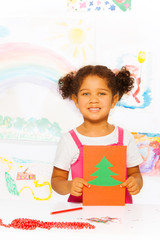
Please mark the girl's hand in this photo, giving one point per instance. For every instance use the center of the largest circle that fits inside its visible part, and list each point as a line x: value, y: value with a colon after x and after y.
x: 76, y: 186
x: 132, y: 185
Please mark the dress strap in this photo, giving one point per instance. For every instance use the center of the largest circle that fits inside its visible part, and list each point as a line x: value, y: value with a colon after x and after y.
x: 75, y: 138
x: 120, y: 136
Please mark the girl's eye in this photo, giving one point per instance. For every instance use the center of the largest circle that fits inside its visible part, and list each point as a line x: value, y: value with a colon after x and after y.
x: 102, y: 93
x: 85, y: 94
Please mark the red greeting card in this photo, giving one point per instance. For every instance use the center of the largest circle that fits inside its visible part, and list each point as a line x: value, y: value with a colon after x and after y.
x: 104, y: 168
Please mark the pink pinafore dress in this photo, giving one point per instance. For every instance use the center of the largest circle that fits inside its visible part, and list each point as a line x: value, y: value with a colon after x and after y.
x: 77, y: 167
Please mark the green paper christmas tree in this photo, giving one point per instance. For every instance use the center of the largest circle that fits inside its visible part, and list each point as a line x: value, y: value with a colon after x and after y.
x: 104, y: 174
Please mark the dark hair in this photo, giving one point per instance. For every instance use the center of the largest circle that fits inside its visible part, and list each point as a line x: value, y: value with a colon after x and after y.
x: 119, y: 83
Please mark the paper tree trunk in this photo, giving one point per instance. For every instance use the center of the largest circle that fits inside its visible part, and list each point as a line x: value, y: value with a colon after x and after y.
x: 104, y: 167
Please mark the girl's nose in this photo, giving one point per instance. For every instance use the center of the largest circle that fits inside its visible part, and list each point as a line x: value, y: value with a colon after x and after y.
x: 94, y: 99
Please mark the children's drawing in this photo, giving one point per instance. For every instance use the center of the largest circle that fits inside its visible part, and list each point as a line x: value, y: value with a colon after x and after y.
x: 104, y: 174
x: 31, y: 65
x: 5, y: 161
x: 124, y: 5
x: 141, y: 70
x: 29, y: 129
x: 149, y: 147
x: 37, y: 185
x: 25, y: 62
x: 37, y: 70
x: 11, y: 185
x: 98, y: 5
x: 25, y: 175
x: 74, y: 38
x: 91, y: 5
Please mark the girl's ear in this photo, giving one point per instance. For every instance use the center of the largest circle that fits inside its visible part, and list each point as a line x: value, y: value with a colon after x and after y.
x: 75, y: 100
x: 115, y: 100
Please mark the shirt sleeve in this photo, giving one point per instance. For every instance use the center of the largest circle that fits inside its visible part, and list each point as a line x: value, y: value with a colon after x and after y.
x: 62, y: 158
x: 134, y: 157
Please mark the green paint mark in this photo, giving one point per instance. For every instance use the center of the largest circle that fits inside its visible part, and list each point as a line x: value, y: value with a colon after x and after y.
x: 29, y: 129
x: 123, y: 4
x: 11, y: 185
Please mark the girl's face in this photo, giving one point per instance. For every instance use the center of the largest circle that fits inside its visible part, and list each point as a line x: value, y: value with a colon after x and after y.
x: 95, y: 99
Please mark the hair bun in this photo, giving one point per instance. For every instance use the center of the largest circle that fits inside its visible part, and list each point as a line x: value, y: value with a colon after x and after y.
x: 124, y: 81
x: 65, y: 85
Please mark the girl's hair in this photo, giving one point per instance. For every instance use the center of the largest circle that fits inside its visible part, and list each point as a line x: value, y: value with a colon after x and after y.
x: 119, y: 83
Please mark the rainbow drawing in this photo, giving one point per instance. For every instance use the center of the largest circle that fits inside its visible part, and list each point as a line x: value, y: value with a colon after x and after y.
x: 25, y: 62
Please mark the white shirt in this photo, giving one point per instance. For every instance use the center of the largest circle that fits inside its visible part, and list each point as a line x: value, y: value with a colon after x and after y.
x: 68, y: 152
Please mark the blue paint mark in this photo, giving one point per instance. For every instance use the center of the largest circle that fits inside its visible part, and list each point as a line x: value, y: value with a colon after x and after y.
x: 147, y: 100
x: 4, y: 32
x: 19, y: 160
x: 150, y: 134
x: 22, y: 161
x: 98, y: 8
x: 91, y: 3
x: 112, y: 8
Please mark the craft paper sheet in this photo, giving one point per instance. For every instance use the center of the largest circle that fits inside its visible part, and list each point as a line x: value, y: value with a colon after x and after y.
x: 104, y: 168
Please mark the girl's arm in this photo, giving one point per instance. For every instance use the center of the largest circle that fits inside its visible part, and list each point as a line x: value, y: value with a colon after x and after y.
x: 134, y: 181
x: 63, y: 186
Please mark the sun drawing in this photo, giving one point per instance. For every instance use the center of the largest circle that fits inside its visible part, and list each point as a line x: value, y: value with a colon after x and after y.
x: 75, y: 39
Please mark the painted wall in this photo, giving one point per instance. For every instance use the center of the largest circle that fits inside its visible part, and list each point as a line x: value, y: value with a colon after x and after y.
x: 41, y: 41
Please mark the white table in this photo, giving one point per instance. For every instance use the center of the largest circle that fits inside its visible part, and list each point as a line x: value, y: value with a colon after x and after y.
x: 136, y: 221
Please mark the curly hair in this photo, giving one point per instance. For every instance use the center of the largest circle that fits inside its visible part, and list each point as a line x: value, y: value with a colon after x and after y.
x: 120, y: 83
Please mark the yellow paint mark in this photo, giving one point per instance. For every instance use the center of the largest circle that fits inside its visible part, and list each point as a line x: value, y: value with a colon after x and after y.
x: 76, y: 36
x: 72, y: 1
x: 65, y: 46
x: 141, y: 57
x: 84, y: 54
x: 38, y: 186
x: 62, y: 24
x: 80, y: 22
x: 56, y: 37
x: 140, y: 138
x: 5, y: 161
x: 91, y: 46
x: 75, y: 52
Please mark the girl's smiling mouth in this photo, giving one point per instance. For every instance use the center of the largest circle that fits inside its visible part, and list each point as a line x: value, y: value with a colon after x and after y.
x: 94, y: 109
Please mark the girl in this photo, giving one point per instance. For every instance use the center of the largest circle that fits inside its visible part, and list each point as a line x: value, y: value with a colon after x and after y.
x: 95, y: 90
